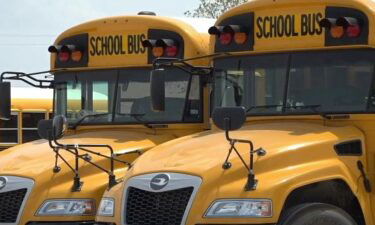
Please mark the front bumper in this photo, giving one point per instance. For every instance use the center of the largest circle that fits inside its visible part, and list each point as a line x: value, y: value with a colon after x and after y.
x: 63, y: 223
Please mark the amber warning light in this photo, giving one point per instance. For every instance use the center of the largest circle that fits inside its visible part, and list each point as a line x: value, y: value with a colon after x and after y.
x: 67, y: 52
x: 343, y: 26
x: 162, y: 47
x: 230, y: 33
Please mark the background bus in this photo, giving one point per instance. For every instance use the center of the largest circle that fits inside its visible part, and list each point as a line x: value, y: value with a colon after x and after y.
x: 29, y: 106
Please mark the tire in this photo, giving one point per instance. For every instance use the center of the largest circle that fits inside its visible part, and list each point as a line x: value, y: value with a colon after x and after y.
x: 316, y: 214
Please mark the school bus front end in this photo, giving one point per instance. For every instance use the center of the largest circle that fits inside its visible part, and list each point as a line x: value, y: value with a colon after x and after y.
x: 293, y: 143
x: 101, y: 79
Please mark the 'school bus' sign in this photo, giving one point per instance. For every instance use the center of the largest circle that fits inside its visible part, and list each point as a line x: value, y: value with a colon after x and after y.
x: 277, y: 29
x: 116, y: 49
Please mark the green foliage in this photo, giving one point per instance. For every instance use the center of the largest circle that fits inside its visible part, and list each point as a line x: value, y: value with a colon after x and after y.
x: 213, y: 8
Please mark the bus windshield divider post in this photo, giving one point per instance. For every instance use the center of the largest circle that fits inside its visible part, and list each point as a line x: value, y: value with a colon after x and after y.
x: 74, y: 149
x: 252, y: 182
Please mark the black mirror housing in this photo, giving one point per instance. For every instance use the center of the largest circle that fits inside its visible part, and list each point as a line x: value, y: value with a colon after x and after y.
x: 229, y: 118
x: 5, y: 102
x: 59, y: 126
x: 45, y: 129
x: 157, y: 86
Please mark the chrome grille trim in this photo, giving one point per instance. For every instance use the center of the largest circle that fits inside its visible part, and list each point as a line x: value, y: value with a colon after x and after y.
x: 176, y: 181
x: 16, y: 183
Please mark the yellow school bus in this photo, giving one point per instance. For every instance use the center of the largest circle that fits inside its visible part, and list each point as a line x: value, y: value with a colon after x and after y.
x: 294, y: 137
x: 101, y: 86
x: 28, y: 107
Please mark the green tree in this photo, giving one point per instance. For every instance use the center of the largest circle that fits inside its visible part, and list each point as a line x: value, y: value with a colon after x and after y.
x: 213, y: 8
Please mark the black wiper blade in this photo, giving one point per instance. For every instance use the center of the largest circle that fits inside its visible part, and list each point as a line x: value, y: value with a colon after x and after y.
x: 262, y: 107
x: 314, y: 108
x: 79, y: 122
x: 137, y: 116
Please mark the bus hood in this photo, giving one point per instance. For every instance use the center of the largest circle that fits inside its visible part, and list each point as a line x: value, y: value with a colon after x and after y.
x: 36, y: 159
x: 286, y: 144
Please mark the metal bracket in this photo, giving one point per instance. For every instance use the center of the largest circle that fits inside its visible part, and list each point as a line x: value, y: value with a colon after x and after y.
x: 29, y: 79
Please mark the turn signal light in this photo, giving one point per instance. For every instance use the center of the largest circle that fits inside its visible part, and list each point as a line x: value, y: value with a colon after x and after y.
x: 171, y: 51
x: 63, y: 56
x: 353, y: 31
x: 162, y: 47
x: 225, y: 38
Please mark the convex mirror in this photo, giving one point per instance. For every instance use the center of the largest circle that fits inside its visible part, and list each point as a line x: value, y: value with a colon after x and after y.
x: 5, y: 102
x: 229, y: 118
x: 52, y: 129
x: 157, y: 83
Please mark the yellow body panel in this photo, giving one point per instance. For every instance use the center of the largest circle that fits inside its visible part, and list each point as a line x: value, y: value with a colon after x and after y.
x: 300, y: 149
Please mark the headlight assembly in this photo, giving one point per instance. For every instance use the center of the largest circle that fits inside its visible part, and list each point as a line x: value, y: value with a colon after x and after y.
x: 67, y: 207
x: 107, y: 207
x: 252, y: 208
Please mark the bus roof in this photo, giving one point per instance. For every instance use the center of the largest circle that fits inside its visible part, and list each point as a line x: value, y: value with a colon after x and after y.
x: 115, y: 42
x: 293, y: 24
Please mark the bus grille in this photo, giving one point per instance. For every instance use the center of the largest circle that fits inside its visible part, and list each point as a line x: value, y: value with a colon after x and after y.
x: 156, y: 208
x: 10, y: 205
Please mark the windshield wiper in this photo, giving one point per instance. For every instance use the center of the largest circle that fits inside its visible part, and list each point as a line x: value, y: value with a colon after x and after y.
x: 137, y: 116
x: 79, y: 122
x: 262, y: 107
x: 312, y: 107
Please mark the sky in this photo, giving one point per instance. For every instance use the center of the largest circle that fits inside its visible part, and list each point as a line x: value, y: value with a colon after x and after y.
x: 28, y: 27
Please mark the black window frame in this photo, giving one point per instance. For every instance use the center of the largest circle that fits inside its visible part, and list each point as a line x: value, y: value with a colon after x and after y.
x: 285, y: 93
x: 118, y: 71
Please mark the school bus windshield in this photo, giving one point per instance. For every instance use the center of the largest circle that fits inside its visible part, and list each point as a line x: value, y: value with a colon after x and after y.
x: 119, y: 97
x: 297, y: 83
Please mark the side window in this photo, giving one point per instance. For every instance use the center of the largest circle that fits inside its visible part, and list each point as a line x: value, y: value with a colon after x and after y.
x: 30, y: 125
x: 9, y: 130
x: 100, y: 97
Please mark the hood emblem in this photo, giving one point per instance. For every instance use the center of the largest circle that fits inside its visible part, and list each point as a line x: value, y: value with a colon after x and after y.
x: 3, y: 182
x: 159, y: 182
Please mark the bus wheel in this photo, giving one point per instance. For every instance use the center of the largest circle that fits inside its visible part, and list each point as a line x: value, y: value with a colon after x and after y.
x: 316, y: 214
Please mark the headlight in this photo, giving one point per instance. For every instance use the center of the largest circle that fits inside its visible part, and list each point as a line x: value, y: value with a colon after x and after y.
x: 240, y: 208
x: 67, y: 207
x: 107, y: 207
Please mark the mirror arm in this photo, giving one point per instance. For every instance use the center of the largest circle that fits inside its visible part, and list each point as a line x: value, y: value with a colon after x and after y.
x: 252, y: 182
x: 20, y: 76
x: 171, y: 62
x: 112, y: 178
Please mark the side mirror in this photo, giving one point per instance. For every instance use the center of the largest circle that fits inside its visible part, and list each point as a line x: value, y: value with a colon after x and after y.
x: 229, y: 118
x: 45, y: 129
x: 157, y: 86
x: 59, y: 126
x: 5, y: 102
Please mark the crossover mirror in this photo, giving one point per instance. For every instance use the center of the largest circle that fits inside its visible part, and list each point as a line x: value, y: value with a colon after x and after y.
x: 5, y: 103
x: 45, y: 129
x: 59, y: 127
x: 229, y: 118
x: 158, y: 90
